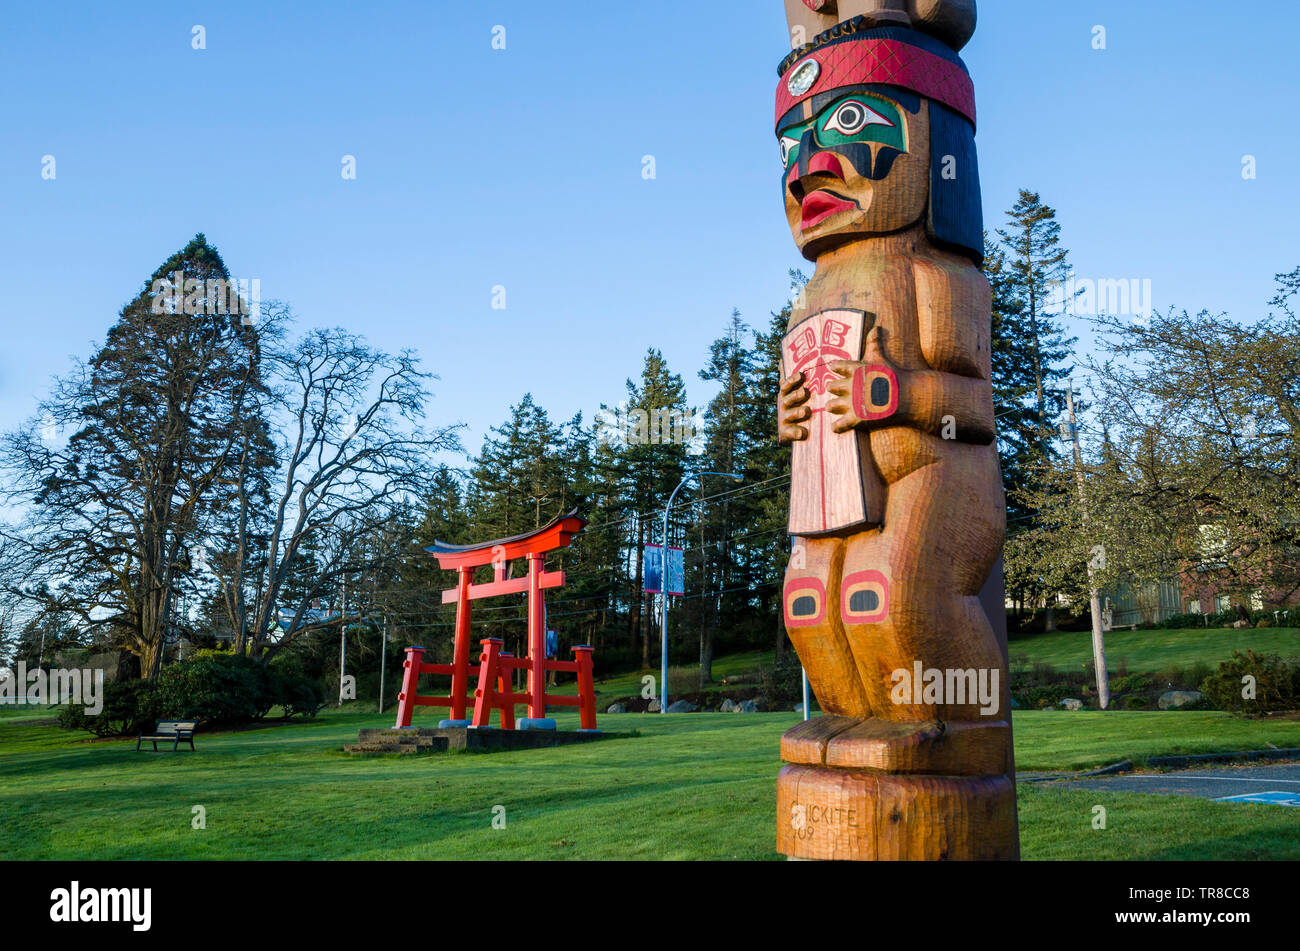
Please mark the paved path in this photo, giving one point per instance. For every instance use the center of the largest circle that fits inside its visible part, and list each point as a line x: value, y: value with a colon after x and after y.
x: 1277, y: 784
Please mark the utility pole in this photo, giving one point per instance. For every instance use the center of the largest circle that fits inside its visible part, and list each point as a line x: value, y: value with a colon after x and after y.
x: 343, y: 637
x: 1098, y: 638
x: 383, y: 660
x: 663, y: 579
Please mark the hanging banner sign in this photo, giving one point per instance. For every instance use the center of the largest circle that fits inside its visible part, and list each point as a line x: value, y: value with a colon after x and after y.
x: 652, y: 565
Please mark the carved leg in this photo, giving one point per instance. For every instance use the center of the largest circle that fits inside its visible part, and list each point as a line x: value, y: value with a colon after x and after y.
x: 810, y: 603
x: 926, y: 778
x: 943, y: 530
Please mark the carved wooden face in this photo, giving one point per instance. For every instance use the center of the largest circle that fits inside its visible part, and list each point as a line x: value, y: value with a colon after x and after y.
x: 860, y: 166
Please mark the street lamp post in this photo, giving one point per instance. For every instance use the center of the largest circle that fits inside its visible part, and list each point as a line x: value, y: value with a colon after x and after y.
x: 663, y: 585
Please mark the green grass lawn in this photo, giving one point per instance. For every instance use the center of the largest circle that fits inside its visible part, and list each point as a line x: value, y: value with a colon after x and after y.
x: 1087, y: 739
x: 697, y: 786
x: 630, y: 684
x: 1056, y: 824
x: 1155, y: 650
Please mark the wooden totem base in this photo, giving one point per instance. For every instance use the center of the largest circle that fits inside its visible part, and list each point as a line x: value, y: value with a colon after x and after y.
x: 867, y: 790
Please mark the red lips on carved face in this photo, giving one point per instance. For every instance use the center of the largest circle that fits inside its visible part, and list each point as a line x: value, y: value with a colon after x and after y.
x: 820, y: 205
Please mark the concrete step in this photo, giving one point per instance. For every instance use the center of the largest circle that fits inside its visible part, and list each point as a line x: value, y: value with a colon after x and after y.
x: 390, y: 735
x: 386, y: 741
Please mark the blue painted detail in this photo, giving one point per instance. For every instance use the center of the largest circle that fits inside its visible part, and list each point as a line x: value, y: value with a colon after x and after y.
x: 956, y: 215
x: 535, y: 723
x: 1269, y: 798
x: 589, y: 731
x: 805, y: 606
x: 449, y: 724
x: 880, y: 391
x: 864, y: 601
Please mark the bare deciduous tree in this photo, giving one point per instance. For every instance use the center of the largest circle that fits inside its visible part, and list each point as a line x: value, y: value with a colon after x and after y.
x: 352, y: 450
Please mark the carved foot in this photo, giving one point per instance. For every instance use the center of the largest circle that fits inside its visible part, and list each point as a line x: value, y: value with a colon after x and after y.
x: 893, y: 746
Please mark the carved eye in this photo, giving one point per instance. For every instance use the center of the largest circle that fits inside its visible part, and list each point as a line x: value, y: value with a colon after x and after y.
x: 788, y: 145
x: 852, y: 117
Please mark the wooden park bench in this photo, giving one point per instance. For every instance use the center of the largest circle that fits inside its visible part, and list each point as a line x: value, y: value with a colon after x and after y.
x: 178, y: 731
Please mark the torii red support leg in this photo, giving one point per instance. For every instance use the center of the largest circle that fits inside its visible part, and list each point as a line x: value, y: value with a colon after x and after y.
x: 488, y: 675
x: 460, y: 657
x: 586, y: 689
x: 536, y: 639
x: 410, y: 677
x: 505, y: 687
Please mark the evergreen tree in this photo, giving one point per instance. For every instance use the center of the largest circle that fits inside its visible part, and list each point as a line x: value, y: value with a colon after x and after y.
x: 517, y: 475
x: 727, y: 445
x: 1030, y: 350
x: 1028, y: 272
x: 1014, y: 384
x: 654, y: 456
x: 157, y: 417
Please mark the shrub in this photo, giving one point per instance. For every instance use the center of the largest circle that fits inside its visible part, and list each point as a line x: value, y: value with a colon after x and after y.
x: 1133, y: 683
x: 1277, y: 684
x: 216, y: 688
x: 1035, y: 698
x: 211, y: 687
x: 1183, y: 678
x: 783, y: 681
x: 1043, y: 672
x: 1196, y: 674
x: 298, y: 695
x: 130, y: 708
x: 681, y: 680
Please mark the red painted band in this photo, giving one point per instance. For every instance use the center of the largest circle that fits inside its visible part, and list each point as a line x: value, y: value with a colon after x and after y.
x: 804, y: 587
x: 889, y: 62
x: 863, y: 408
x: 871, y: 580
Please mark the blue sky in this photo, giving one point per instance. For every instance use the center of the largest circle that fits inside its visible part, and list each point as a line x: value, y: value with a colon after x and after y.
x: 523, y: 168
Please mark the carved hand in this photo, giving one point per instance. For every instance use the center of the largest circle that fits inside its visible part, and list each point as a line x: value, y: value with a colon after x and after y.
x: 868, y: 393
x: 792, y: 409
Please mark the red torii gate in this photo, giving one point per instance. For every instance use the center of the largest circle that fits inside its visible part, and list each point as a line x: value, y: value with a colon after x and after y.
x: 495, y: 666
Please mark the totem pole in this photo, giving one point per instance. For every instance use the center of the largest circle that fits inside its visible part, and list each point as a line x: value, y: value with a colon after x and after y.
x: 897, y: 515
